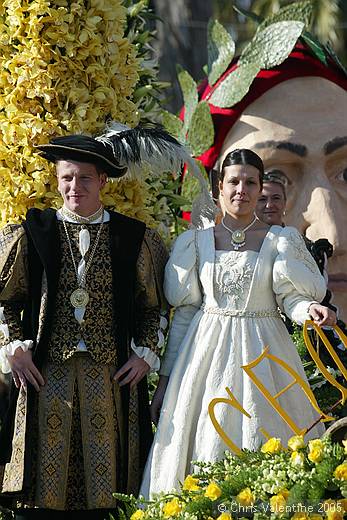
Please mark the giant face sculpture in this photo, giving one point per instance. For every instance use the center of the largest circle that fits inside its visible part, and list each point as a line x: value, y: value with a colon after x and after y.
x: 299, y: 126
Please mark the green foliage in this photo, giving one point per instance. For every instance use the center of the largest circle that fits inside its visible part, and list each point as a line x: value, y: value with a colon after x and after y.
x: 220, y: 49
x: 201, y: 131
x: 148, y: 91
x: 315, y: 46
x: 235, y: 86
x: 325, y: 394
x: 190, y: 95
x: 298, y: 11
x: 271, y: 46
x: 173, y: 125
x: 248, y: 14
x: 262, y: 474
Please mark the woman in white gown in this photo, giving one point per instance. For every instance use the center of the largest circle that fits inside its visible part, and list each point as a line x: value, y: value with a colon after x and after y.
x: 226, y: 288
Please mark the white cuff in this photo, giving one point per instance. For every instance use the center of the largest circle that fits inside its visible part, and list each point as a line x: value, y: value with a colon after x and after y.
x: 9, y: 350
x: 148, y: 355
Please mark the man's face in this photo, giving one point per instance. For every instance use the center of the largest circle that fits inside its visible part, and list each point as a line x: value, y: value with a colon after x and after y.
x: 271, y: 204
x: 80, y: 185
x: 300, y: 128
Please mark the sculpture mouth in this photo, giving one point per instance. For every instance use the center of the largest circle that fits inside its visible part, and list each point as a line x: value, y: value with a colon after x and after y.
x: 337, y: 282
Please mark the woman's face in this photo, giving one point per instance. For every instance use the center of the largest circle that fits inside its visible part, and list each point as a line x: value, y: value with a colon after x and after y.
x: 308, y: 143
x: 240, y: 190
x: 271, y: 204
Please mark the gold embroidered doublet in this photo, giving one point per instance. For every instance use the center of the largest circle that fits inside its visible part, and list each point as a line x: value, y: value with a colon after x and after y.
x: 97, y: 327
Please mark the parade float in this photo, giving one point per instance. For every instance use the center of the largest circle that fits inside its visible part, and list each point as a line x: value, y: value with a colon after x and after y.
x: 303, y: 479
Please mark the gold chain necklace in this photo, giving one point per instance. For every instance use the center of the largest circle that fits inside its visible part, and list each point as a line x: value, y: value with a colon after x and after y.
x: 78, y: 218
x: 238, y: 237
x: 80, y: 296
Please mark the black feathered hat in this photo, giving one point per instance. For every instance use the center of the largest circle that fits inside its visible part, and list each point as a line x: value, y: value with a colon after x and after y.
x: 121, y: 150
x: 82, y: 148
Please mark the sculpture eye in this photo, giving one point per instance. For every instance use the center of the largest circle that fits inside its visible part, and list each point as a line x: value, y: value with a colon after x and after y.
x: 343, y: 175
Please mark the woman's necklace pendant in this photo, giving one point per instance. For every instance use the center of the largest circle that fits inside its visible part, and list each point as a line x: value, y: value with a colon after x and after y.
x: 238, y: 236
x: 79, y: 298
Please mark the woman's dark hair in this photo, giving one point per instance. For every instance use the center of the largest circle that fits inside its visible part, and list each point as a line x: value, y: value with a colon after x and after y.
x: 247, y: 158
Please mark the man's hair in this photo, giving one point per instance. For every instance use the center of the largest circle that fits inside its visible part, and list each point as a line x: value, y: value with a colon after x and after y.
x: 245, y: 157
x: 98, y: 168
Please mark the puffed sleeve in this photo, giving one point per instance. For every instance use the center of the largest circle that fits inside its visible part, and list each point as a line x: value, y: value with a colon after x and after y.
x: 297, y: 281
x: 13, y: 291
x: 183, y: 292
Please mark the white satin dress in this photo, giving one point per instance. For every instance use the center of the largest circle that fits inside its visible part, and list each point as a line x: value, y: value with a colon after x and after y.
x: 226, y: 313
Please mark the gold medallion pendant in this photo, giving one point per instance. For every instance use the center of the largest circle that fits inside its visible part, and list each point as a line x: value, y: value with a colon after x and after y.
x: 238, y: 236
x: 79, y: 298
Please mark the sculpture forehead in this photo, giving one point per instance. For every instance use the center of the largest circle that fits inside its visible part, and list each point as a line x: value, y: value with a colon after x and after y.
x: 308, y: 110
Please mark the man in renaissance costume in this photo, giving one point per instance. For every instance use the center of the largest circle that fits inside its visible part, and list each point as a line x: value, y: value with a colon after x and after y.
x: 81, y: 304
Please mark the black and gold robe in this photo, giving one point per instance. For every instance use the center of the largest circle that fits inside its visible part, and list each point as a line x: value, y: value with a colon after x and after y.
x: 82, y: 437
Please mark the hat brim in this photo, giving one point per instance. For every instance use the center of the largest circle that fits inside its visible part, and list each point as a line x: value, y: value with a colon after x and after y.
x: 55, y: 152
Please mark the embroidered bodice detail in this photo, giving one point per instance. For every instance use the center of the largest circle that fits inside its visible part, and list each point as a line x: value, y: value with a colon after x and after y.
x: 299, y: 251
x: 232, y: 277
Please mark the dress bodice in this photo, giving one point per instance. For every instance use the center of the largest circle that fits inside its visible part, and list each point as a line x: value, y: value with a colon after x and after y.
x: 232, y: 278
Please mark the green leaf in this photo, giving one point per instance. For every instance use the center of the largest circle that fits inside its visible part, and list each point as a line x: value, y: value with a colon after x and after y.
x: 272, y: 46
x: 335, y: 58
x: 190, y: 95
x: 173, y: 125
x: 235, y: 86
x: 315, y: 46
x: 248, y: 14
x: 298, y: 11
x: 201, y: 130
x: 220, y: 49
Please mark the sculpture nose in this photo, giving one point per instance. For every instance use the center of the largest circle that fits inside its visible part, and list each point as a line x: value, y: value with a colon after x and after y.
x: 324, y: 218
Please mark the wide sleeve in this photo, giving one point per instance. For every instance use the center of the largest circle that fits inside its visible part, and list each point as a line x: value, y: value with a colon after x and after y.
x: 13, y: 291
x: 183, y: 291
x: 297, y: 281
x: 151, y: 306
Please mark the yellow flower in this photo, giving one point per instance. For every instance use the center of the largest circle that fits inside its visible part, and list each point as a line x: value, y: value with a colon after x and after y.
x: 284, y: 492
x: 316, y: 516
x: 297, y: 458
x: 224, y: 516
x: 296, y: 442
x: 343, y: 503
x: 341, y: 471
x: 344, y: 442
x: 172, y: 508
x: 138, y: 515
x: 315, y: 455
x: 246, y: 497
x: 333, y: 510
x: 191, y: 484
x: 316, y: 450
x: 273, y: 445
x: 213, y: 491
x: 278, y: 504
x: 316, y: 443
x: 300, y: 516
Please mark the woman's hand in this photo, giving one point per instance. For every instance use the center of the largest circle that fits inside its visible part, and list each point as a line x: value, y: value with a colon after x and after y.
x: 24, y: 370
x: 322, y: 315
x: 158, y: 398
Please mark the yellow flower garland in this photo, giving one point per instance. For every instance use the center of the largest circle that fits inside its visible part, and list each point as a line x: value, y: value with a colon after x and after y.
x: 65, y: 67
